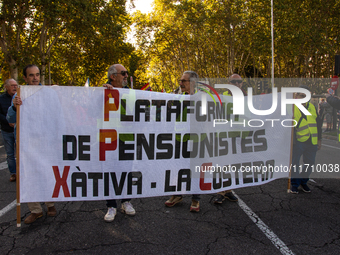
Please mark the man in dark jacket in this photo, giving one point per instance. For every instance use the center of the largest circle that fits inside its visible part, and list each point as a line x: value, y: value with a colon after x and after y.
x: 333, y: 101
x: 7, y: 130
x: 234, y: 79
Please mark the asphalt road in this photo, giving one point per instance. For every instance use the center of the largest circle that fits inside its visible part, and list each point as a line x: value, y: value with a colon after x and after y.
x: 266, y: 220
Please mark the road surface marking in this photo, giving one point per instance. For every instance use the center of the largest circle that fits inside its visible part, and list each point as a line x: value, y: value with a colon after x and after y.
x: 264, y: 228
x: 8, y: 208
x: 331, y: 146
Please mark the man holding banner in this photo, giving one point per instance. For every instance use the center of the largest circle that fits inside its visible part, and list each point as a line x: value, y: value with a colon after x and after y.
x: 117, y: 78
x: 31, y: 77
x: 187, y: 85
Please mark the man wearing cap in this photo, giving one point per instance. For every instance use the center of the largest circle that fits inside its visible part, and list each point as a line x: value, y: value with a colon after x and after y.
x: 307, y: 142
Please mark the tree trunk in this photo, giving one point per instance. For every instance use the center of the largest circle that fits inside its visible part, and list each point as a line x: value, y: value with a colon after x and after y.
x: 13, y: 69
x: 43, y: 69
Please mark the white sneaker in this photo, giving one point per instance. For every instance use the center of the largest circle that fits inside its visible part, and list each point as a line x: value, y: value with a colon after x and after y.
x: 128, y: 208
x: 110, y: 215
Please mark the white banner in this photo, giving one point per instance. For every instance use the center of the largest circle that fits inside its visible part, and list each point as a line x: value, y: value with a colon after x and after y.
x: 81, y: 143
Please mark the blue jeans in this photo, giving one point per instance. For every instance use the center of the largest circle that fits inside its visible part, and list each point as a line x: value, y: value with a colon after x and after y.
x: 308, y: 151
x: 9, y: 143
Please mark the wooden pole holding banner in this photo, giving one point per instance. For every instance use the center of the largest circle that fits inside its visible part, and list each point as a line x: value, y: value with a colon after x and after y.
x: 18, y: 162
x: 291, y: 155
x: 290, y: 160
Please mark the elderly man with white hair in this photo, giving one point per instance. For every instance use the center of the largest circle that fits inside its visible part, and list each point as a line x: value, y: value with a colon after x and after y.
x: 7, y: 129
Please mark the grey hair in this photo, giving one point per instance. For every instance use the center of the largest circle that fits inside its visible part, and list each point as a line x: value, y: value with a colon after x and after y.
x: 112, y: 70
x: 192, y: 74
x: 6, y: 83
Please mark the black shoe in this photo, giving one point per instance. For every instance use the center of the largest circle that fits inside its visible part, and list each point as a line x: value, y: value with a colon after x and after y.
x: 305, y: 188
x: 219, y: 199
x: 294, y: 190
x: 230, y: 196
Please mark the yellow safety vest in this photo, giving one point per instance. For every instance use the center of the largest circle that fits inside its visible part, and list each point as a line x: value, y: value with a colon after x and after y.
x: 226, y: 93
x: 306, y: 128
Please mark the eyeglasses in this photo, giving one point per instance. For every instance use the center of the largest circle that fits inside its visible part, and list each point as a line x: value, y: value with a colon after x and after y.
x: 123, y: 73
x: 179, y: 81
x: 235, y: 81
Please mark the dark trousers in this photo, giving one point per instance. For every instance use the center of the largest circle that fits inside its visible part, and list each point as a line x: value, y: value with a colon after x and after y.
x: 113, y: 202
x: 308, y: 151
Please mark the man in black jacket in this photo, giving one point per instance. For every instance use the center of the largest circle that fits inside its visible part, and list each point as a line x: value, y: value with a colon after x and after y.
x: 333, y: 101
x: 7, y: 130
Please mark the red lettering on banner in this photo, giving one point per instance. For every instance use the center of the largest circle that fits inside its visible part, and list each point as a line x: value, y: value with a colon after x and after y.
x: 103, y: 146
x: 204, y: 185
x: 110, y: 93
x: 61, y: 181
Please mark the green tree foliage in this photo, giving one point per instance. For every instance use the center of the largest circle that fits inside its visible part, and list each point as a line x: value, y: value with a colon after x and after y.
x: 69, y: 40
x: 219, y: 37
x: 75, y: 39
x: 13, y: 20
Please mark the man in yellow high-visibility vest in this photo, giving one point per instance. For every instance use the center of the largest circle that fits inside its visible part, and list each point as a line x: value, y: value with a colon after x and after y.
x: 307, y: 141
